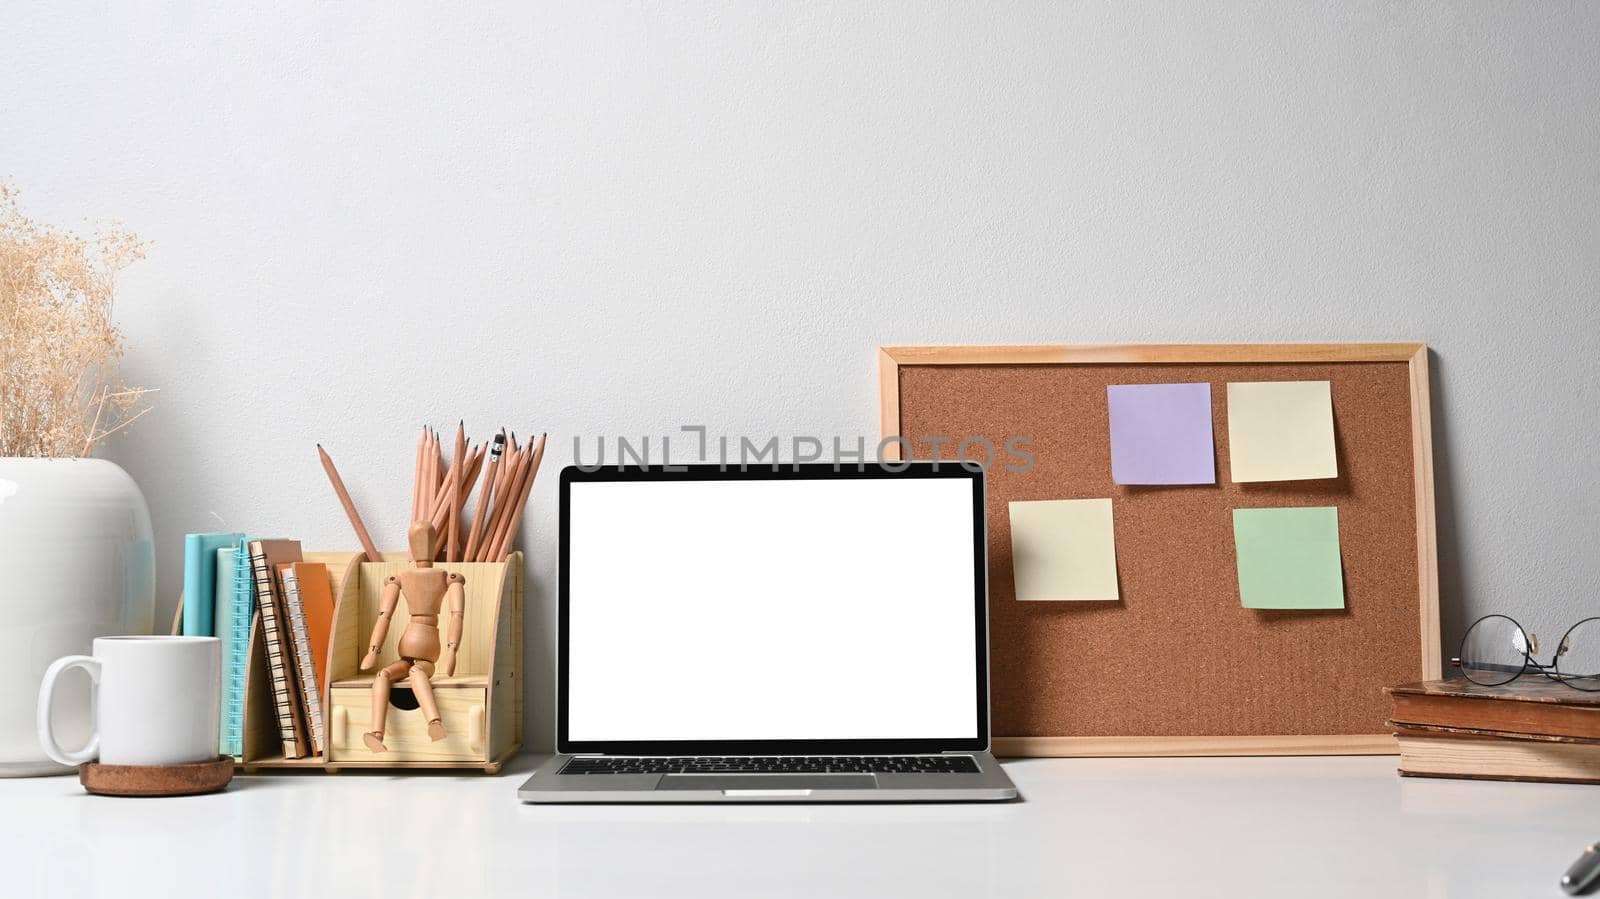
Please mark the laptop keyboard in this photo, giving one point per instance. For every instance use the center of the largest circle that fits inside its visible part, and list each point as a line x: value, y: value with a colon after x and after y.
x: 774, y: 764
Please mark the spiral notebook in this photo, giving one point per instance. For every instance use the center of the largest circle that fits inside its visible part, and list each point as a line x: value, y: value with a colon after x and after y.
x: 304, y: 676
x: 288, y: 711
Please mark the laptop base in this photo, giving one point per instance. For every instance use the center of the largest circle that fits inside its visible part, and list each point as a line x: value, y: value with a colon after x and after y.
x: 548, y: 786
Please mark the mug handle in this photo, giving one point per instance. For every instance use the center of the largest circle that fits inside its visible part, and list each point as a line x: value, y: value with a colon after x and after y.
x: 47, y: 688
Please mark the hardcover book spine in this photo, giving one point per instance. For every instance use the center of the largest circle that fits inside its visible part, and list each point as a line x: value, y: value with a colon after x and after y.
x: 278, y: 661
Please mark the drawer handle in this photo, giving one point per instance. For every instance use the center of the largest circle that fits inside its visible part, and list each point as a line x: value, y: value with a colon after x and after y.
x: 475, y: 728
x: 341, y: 726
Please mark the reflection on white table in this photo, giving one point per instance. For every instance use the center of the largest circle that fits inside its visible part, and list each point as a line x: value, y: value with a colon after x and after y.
x: 1091, y: 827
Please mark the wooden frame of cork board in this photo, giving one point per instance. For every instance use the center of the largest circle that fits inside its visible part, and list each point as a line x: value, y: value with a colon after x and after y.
x: 1177, y: 666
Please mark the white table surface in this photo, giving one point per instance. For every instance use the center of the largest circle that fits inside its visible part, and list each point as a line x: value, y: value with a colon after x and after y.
x: 1093, y: 827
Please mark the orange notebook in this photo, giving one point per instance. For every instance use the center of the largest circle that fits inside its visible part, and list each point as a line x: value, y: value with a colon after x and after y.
x: 301, y: 580
x: 316, y: 595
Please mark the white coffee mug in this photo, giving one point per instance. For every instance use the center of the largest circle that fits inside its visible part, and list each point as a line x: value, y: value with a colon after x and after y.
x: 156, y: 701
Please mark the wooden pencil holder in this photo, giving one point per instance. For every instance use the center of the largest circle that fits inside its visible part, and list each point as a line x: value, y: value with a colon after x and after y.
x: 481, y: 704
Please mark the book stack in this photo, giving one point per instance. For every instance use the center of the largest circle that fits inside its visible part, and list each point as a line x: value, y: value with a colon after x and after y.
x: 234, y: 583
x: 1530, y: 729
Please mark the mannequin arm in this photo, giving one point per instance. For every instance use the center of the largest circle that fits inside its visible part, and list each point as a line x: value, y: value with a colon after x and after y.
x: 380, y: 628
x: 456, y: 598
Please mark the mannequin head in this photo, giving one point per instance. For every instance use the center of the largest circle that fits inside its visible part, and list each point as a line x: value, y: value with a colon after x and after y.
x: 421, y: 539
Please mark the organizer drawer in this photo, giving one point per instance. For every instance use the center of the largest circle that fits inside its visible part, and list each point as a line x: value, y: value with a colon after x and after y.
x: 461, y: 708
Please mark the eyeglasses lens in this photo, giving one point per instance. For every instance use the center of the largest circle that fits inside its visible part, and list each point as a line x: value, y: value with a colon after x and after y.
x: 1494, y: 651
x: 1578, y: 656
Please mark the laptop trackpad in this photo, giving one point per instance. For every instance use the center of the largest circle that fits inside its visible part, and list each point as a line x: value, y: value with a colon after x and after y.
x: 764, y: 782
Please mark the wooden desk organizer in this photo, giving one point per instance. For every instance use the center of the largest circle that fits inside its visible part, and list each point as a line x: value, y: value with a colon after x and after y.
x: 481, y: 704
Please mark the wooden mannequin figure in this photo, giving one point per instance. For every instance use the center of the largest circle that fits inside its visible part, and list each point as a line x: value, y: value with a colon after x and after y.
x: 426, y: 589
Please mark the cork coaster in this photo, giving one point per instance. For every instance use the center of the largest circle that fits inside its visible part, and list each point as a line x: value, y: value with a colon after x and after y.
x: 156, y: 780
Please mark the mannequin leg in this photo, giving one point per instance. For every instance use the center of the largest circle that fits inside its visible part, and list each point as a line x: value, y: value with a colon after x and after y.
x: 423, y: 687
x: 380, y: 703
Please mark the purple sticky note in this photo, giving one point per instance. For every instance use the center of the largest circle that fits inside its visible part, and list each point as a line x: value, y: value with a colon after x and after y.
x: 1161, y: 434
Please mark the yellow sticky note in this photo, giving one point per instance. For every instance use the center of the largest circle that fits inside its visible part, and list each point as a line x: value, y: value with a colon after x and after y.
x: 1064, y: 549
x: 1281, y: 431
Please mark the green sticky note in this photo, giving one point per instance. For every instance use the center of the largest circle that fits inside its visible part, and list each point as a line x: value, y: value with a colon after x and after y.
x: 1289, y: 558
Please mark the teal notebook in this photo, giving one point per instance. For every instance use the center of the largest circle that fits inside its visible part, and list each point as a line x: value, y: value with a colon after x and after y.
x: 239, y: 595
x: 200, y: 579
x: 232, y: 629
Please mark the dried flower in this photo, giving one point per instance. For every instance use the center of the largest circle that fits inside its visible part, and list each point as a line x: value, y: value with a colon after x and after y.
x: 60, y: 388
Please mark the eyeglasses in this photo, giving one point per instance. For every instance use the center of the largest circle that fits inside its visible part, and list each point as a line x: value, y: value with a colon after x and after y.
x: 1496, y: 650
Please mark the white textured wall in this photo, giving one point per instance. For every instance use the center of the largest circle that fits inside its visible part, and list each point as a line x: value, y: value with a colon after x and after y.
x: 599, y: 217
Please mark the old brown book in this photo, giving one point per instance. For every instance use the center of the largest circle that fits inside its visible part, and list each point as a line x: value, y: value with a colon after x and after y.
x: 1485, y: 755
x: 1528, y: 705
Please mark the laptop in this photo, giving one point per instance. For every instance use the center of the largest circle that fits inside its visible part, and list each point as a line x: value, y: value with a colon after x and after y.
x: 783, y: 633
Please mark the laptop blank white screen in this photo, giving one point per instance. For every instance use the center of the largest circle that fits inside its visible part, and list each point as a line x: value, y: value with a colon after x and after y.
x: 836, y: 609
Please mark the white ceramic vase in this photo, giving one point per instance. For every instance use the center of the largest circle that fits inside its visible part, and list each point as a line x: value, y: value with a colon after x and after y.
x: 76, y: 562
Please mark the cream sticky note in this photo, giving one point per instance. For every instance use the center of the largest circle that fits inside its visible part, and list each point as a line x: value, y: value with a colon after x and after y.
x: 1281, y: 431
x: 1289, y: 558
x: 1064, y: 549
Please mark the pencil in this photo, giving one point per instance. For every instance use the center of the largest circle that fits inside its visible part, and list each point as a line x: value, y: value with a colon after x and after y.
x: 435, y: 484
x: 349, y: 507
x: 486, y: 496
x: 484, y: 512
x: 510, y: 470
x: 468, y: 482
x: 441, y: 509
x: 416, y: 477
x: 438, y: 463
x: 437, y: 508
x: 434, y: 497
x: 510, y: 485
x: 458, y: 467
x: 427, y: 466
x: 520, y: 503
x: 509, y: 503
x: 455, y: 507
x: 419, y: 500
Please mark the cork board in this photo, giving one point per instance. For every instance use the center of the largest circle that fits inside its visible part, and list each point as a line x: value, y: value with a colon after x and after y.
x: 1178, y: 666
